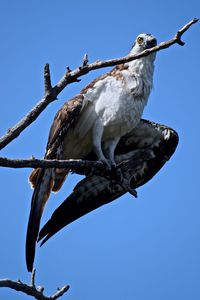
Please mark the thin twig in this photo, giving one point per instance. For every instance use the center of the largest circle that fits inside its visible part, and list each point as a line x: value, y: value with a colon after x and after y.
x: 31, y: 290
x: 33, y: 277
x: 60, y: 292
x: 47, y: 79
x: 72, y: 76
x: 85, y: 60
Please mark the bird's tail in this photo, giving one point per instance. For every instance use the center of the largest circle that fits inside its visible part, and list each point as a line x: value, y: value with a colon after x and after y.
x: 42, y: 181
x: 89, y: 194
x: 59, y: 178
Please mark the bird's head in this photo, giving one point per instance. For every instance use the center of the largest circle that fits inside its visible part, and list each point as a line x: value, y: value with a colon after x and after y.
x: 143, y: 41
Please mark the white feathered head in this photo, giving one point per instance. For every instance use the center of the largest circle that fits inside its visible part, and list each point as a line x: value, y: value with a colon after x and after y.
x: 143, y: 41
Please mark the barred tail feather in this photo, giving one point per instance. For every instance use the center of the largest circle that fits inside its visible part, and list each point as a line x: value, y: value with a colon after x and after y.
x: 43, y: 187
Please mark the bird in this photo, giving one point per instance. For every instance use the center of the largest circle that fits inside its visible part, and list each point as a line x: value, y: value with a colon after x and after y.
x: 94, y: 120
x: 140, y: 154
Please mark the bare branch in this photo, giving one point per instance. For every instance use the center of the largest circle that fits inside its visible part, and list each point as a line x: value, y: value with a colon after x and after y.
x: 184, y: 29
x: 60, y: 292
x: 72, y: 76
x: 32, y: 290
x: 82, y: 167
x: 15, y: 131
x: 45, y: 163
x: 47, y: 79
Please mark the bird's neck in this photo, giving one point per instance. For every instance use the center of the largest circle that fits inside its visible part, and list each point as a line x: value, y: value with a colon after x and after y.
x: 143, y: 66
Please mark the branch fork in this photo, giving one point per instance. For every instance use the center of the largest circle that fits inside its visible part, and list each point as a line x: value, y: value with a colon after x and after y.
x: 32, y: 290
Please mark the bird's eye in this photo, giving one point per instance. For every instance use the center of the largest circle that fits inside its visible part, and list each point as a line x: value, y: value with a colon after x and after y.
x: 140, y: 40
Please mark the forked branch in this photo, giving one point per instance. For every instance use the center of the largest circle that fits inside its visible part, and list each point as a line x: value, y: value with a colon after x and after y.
x: 32, y: 290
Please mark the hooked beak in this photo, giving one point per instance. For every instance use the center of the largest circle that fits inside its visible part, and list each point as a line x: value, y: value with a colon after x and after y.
x: 151, y: 43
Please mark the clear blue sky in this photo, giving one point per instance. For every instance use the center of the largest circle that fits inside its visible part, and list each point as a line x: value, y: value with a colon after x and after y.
x: 141, y: 249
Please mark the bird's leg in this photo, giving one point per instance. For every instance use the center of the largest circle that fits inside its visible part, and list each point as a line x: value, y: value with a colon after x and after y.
x: 97, y: 137
x: 109, y: 149
x: 117, y: 175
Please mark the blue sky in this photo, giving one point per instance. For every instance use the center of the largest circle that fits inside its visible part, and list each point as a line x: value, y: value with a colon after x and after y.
x: 130, y: 249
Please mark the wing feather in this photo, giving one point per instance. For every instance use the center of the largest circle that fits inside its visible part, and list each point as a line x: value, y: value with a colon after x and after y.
x: 65, y: 119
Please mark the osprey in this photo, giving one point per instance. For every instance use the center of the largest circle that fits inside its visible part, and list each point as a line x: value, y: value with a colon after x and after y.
x: 140, y: 155
x: 95, y: 120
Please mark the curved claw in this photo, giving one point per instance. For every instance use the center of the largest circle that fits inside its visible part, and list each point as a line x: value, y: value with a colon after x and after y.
x: 125, y: 184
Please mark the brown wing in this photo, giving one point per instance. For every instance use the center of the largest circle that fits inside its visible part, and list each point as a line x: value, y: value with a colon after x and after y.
x: 64, y: 119
x: 140, y: 154
x: 43, y: 180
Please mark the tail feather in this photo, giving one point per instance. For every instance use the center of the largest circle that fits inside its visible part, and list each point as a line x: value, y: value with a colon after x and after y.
x: 43, y: 187
x: 34, y: 177
x: 59, y: 178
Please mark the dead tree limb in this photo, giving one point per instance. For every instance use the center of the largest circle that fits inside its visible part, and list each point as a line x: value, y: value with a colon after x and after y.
x: 82, y: 167
x: 32, y: 290
x: 46, y: 163
x: 78, y: 166
x: 51, y: 93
